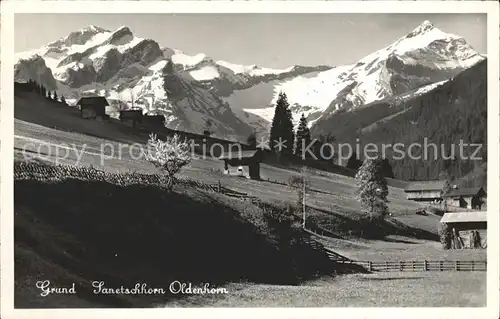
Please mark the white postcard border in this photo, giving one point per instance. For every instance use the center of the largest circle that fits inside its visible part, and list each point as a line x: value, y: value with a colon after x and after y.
x: 8, y: 8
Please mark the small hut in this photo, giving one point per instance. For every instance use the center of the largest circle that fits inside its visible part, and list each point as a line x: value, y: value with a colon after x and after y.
x: 92, y: 107
x: 251, y: 159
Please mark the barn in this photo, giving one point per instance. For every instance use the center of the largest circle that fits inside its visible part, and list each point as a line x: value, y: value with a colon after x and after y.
x: 472, y: 198
x: 251, y: 159
x: 92, y: 107
x: 468, y: 229
x: 426, y: 191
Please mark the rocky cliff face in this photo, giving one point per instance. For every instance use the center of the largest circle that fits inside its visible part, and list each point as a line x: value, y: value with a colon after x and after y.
x: 34, y: 68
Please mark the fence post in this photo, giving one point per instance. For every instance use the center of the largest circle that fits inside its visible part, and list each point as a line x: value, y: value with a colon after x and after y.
x: 440, y: 265
x: 369, y: 266
x: 473, y: 265
x: 425, y: 265
x: 456, y: 265
x: 400, y: 265
x: 386, y: 266
x: 219, y: 187
x: 413, y: 265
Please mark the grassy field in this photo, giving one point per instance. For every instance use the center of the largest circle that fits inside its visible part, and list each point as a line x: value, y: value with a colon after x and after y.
x: 332, y: 196
x: 395, y: 248
x: 47, y: 214
x: 405, y: 289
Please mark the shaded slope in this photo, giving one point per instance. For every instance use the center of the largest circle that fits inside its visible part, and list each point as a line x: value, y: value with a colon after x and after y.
x: 85, y: 230
x: 453, y: 111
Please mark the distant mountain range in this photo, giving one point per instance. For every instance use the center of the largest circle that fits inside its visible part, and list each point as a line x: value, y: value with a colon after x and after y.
x: 191, y: 89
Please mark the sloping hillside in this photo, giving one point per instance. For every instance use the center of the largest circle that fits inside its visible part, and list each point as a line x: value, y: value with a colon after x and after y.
x: 334, y: 191
x: 124, y: 234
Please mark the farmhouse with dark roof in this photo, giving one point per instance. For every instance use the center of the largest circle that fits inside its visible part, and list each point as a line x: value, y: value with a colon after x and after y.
x: 92, y: 107
x: 251, y: 159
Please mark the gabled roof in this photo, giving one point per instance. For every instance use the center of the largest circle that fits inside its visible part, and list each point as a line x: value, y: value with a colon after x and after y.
x: 464, y: 192
x: 464, y: 217
x: 132, y: 110
x: 94, y: 100
x: 239, y: 154
x: 437, y: 185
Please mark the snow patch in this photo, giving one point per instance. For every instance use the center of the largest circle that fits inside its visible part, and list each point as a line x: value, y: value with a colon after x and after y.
x: 180, y: 57
x: 252, y: 70
x: 158, y: 65
x: 205, y: 73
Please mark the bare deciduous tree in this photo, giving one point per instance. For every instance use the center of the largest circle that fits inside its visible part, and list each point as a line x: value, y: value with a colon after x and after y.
x: 169, y: 155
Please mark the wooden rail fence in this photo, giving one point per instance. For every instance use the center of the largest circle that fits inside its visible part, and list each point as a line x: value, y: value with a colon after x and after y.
x: 425, y: 265
x: 382, y: 266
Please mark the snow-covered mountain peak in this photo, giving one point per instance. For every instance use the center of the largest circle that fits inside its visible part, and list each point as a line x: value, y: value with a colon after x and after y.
x: 93, y: 28
x: 120, y: 36
x: 423, y: 27
x: 424, y: 56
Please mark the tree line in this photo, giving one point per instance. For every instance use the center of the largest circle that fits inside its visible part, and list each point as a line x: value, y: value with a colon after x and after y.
x: 41, y: 90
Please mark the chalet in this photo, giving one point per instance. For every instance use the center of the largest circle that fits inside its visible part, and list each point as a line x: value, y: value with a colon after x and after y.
x: 92, y: 107
x: 472, y: 198
x: 426, y: 191
x: 251, y: 159
x: 468, y: 229
x: 134, y: 115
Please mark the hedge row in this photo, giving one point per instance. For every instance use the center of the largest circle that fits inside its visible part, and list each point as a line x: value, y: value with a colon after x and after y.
x: 54, y: 173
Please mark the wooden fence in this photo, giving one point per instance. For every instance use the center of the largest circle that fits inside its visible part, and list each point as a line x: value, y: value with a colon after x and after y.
x: 382, y: 266
x: 425, y: 265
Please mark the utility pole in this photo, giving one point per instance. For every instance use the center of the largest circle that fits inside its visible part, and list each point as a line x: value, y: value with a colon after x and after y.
x: 303, y: 199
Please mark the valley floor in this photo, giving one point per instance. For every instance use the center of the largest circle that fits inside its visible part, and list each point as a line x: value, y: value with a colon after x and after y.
x: 399, y: 289
x: 396, y: 248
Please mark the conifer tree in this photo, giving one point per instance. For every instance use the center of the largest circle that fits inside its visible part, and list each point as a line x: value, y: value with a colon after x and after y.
x: 372, y: 188
x: 55, y: 96
x: 282, y: 135
x: 303, y: 138
x: 63, y: 99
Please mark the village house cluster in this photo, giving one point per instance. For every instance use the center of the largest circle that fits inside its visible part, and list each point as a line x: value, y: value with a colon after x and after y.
x: 463, y: 209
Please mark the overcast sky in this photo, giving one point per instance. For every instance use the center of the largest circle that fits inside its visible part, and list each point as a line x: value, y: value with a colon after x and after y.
x: 270, y: 40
